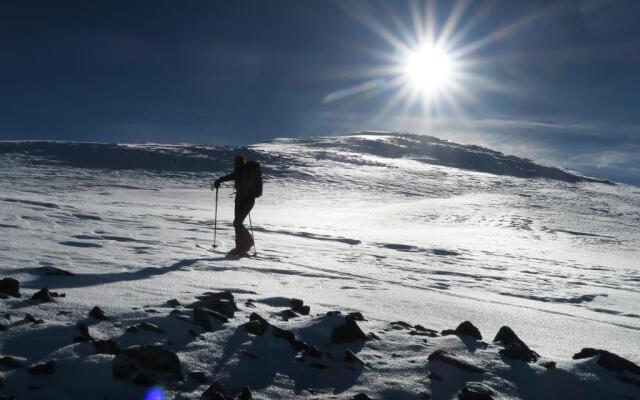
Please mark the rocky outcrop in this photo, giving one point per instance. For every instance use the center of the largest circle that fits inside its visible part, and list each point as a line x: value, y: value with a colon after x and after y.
x: 148, y: 360
x: 608, y: 360
x: 475, y: 391
x: 514, y: 347
x: 349, y: 331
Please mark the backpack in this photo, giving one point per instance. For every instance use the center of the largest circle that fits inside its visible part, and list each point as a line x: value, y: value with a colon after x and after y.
x: 253, y: 178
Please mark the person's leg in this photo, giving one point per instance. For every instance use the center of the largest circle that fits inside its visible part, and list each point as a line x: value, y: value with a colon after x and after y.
x: 243, y: 206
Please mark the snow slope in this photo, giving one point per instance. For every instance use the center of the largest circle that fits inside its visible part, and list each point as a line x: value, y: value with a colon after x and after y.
x: 395, y: 226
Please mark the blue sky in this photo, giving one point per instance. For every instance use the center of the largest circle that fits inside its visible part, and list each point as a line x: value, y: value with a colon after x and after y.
x: 555, y: 81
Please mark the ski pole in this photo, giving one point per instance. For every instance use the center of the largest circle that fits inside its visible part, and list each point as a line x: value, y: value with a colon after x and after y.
x: 215, y: 222
x: 255, y: 250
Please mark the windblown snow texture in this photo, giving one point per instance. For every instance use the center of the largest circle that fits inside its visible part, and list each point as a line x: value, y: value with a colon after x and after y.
x: 406, y: 235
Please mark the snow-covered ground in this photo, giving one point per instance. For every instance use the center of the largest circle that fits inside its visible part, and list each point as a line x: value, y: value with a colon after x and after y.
x: 398, y: 227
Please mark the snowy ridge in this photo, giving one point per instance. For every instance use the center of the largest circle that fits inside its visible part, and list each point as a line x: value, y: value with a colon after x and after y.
x: 348, y: 148
x: 406, y: 236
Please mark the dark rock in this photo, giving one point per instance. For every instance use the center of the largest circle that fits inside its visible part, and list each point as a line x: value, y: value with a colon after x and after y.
x: 143, y: 378
x: 123, y: 368
x: 443, y: 356
x: 475, y: 391
x: 245, y: 394
x: 201, y: 318
x: 172, y: 303
x: 288, y: 314
x: 222, y: 303
x: 298, y: 345
x: 468, y: 329
x: 400, y: 325
x: 256, y: 325
x: 215, y: 392
x: 549, y: 364
x: 361, y: 396
x: 629, y: 379
x: 153, y: 357
x: 608, y: 360
x: 132, y: 329
x: 356, y: 316
x: 84, y: 335
x: 350, y: 357
x: 47, y: 368
x: 108, y: 346
x: 10, y: 287
x: 448, y: 332
x: 97, y: 313
x: 49, y: 270
x: 348, y: 332
x: 146, y: 326
x: 519, y: 351
x: 313, y: 352
x: 2, y: 328
x: 514, y: 347
x: 43, y: 296
x: 12, y: 362
x: 282, y: 333
x: 296, y: 303
x: 304, y: 310
x: 199, y: 376
x: 429, y: 332
x: 151, y: 311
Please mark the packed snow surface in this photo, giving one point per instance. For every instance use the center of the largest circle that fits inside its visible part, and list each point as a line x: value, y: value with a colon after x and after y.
x: 395, y: 226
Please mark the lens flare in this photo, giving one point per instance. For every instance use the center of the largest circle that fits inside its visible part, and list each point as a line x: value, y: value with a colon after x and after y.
x: 155, y: 393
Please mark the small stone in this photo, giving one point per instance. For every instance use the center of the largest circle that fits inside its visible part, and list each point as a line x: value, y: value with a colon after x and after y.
x: 288, y: 314
x: 361, y: 396
x: 10, y: 287
x: 448, y: 332
x: 199, y: 376
x: 172, y: 303
x: 106, y: 347
x: 400, y: 325
x: 151, y: 311
x: 549, y: 364
x: 47, y: 368
x: 43, y: 296
x: 97, y: 313
x: 245, y: 394
x: 443, y: 356
x: 145, y: 326
x: 468, y: 329
x: 475, y: 391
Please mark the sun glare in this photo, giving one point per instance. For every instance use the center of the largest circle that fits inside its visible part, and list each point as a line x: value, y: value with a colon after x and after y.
x: 428, y: 69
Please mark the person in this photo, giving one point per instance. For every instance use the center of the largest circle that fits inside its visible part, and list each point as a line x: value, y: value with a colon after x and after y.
x: 244, y: 183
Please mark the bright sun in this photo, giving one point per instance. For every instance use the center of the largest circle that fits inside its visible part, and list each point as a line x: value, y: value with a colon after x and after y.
x: 428, y: 69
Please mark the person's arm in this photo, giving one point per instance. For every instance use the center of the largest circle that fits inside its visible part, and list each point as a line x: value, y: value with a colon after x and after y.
x: 225, y: 178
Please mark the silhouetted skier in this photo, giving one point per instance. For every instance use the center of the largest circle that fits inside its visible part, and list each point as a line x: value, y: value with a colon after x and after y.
x: 247, y: 177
